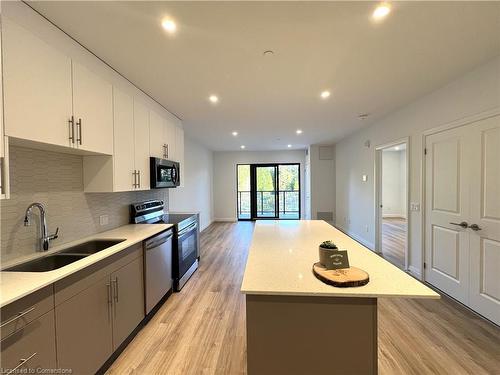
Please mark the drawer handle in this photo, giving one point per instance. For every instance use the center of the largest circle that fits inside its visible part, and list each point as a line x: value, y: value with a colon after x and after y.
x: 19, y: 315
x: 22, y: 362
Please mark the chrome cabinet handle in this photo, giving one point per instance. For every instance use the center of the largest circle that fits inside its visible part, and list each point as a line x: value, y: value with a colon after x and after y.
x: 79, y: 131
x: 115, y: 282
x: 22, y: 362
x: 19, y: 315
x: 475, y: 227
x: 139, y: 179
x: 134, y: 184
x: 167, y: 151
x: 463, y: 224
x: 71, y: 123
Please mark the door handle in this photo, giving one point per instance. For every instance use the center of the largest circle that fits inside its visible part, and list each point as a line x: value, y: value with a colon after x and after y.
x: 79, y: 131
x: 475, y: 227
x: 71, y: 123
x: 463, y: 224
x: 115, y: 281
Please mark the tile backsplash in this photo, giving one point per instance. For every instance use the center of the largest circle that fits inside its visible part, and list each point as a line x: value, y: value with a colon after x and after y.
x: 56, y: 180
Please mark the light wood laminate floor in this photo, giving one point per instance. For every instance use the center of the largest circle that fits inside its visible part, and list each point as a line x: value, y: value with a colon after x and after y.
x: 201, y: 330
x: 394, y: 240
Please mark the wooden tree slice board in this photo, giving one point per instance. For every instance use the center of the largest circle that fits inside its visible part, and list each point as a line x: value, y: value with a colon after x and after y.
x: 342, y: 278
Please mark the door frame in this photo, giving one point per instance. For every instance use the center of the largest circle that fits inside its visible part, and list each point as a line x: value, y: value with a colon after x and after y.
x: 438, y: 129
x: 378, y: 195
x: 298, y: 164
x: 253, y: 191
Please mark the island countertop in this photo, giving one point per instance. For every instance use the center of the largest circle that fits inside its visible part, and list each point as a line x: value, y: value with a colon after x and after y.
x: 282, y: 254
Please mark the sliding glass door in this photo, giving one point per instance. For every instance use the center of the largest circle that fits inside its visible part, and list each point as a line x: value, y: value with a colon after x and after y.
x: 268, y: 191
x: 265, y: 193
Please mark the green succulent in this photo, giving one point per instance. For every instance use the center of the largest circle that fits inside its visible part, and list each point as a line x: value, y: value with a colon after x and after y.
x: 328, y: 245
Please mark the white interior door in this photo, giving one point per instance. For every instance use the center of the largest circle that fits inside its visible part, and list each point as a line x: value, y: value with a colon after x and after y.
x: 463, y: 185
x: 485, y: 213
x: 447, y: 202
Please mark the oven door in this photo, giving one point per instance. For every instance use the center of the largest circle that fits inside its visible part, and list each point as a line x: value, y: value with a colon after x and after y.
x: 187, y: 249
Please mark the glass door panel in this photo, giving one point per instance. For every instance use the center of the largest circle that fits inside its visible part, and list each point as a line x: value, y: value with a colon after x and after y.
x: 289, y: 191
x: 243, y: 192
x: 265, y: 193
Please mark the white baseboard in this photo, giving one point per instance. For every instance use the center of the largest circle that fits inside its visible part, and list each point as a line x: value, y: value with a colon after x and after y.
x: 354, y: 236
x: 415, y: 272
x: 225, y: 219
x: 389, y: 216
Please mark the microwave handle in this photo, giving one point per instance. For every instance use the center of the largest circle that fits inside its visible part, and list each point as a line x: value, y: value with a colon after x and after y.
x: 176, y: 174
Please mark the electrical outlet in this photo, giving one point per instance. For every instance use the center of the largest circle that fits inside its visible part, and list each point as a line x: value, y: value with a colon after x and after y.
x: 103, y: 220
x: 364, y: 178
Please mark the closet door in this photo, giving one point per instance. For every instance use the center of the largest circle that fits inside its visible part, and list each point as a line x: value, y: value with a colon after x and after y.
x: 485, y: 213
x: 447, y: 206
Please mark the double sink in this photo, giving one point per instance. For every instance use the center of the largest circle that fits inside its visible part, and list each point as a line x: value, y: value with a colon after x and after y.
x: 64, y: 257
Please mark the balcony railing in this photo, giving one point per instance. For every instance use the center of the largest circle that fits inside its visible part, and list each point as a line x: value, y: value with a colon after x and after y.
x: 266, y: 204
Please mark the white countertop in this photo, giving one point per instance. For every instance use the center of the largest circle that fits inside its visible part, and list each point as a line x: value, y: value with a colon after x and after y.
x: 283, y: 252
x: 15, y: 285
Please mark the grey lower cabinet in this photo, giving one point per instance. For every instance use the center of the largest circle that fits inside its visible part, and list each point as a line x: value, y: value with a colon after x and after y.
x: 84, y: 329
x: 31, y: 347
x: 128, y: 303
x: 96, y: 310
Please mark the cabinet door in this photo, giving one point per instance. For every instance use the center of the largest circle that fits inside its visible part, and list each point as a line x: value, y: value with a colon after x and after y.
x: 84, y: 329
x: 156, y: 135
x: 37, y: 87
x: 169, y: 137
x: 141, y: 138
x: 123, y: 162
x: 128, y: 300
x: 93, y: 111
x: 32, y: 347
x: 179, y: 151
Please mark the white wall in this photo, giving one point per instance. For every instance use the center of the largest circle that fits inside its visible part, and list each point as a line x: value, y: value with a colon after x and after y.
x: 197, y: 193
x: 322, y: 185
x: 225, y: 176
x: 473, y: 93
x: 394, y: 183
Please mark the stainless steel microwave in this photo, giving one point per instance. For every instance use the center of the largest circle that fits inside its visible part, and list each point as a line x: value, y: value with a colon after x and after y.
x: 164, y: 173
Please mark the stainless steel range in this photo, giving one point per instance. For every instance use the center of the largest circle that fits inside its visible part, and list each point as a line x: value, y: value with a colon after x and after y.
x: 185, y: 244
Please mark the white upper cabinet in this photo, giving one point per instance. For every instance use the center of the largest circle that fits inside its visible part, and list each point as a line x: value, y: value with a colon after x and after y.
x: 123, y: 163
x: 156, y: 135
x: 141, y: 143
x: 179, y: 151
x: 93, y: 111
x: 37, y: 87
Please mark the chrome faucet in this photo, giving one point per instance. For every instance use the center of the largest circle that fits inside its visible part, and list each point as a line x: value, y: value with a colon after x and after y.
x: 45, y: 238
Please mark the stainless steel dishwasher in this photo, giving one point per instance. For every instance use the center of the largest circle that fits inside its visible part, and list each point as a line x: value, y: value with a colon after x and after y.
x: 157, y: 268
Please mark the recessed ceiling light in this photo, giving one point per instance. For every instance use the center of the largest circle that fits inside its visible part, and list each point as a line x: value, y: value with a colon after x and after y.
x: 234, y: 134
x: 268, y: 53
x: 242, y: 147
x: 381, y: 11
x: 325, y: 94
x: 289, y: 146
x: 298, y: 131
x: 169, y: 25
x: 213, y: 98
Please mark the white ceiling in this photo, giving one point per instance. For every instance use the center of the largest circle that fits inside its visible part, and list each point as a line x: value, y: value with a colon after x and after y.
x: 218, y: 49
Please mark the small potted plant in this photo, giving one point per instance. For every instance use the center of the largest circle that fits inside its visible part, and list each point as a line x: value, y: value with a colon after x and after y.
x: 325, y: 251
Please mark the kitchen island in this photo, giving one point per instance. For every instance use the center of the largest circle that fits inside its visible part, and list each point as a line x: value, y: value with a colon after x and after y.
x: 296, y: 324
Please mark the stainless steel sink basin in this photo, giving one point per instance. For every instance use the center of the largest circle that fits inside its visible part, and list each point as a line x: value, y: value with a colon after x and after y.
x: 90, y: 247
x: 64, y: 257
x: 48, y: 263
